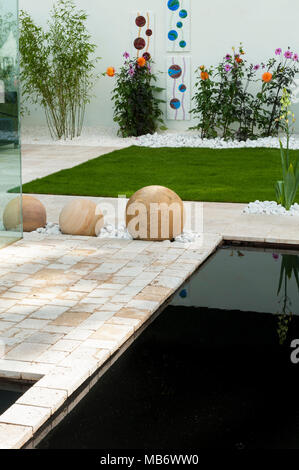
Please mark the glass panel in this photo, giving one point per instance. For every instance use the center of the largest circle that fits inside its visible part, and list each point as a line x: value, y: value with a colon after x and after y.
x: 10, y: 154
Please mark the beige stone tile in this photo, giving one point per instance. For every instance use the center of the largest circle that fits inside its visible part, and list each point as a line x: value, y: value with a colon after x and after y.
x: 25, y: 415
x: 66, y: 345
x: 143, y: 304
x: 53, y: 328
x: 12, y: 317
x: 13, y: 436
x: 27, y: 351
x: 133, y: 313
x: 154, y: 293
x: 71, y: 296
x: 44, y: 397
x: 63, y: 378
x: 33, y: 324
x: 5, y: 326
x: 71, y: 318
x: 95, y: 320
x: 117, y: 320
x: 44, y: 337
x: 79, y: 334
x: 22, y: 309
x: 94, y: 301
x: 52, y: 357
x: 12, y: 295
x: 170, y: 282
x: 111, y: 346
x: 115, y: 333
x: 84, y: 285
x: 49, y: 312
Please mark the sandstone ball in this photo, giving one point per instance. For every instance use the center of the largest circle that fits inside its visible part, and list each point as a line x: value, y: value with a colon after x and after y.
x: 81, y: 217
x: 155, y: 213
x: 34, y: 214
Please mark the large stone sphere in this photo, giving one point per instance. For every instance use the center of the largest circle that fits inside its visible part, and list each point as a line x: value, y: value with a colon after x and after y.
x: 34, y: 214
x: 81, y: 217
x: 155, y: 213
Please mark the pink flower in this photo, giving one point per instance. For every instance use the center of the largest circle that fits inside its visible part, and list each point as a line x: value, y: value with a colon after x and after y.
x: 227, y: 68
x: 126, y: 55
x: 131, y: 72
x: 278, y: 51
x: 256, y: 67
x: 295, y: 57
x: 288, y: 54
x: 275, y: 256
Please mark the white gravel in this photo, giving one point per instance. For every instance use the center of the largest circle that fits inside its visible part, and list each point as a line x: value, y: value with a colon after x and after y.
x: 107, y: 137
x: 91, y: 137
x: 110, y: 231
x: 194, y: 141
x: 270, y: 208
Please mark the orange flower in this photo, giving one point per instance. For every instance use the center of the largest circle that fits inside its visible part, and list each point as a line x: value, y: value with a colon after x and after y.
x: 204, y: 75
x: 141, y: 61
x: 202, y: 67
x: 267, y: 77
x: 238, y: 60
x: 110, y: 71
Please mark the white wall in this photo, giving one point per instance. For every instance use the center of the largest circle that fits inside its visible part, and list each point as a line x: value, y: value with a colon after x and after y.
x: 217, y: 25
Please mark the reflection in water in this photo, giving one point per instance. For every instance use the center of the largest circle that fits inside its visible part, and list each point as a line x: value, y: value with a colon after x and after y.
x: 247, y: 280
x: 289, y: 269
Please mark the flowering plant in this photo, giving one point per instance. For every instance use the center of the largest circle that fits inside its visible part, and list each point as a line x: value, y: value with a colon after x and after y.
x: 136, y: 107
x: 239, y: 100
x: 287, y: 188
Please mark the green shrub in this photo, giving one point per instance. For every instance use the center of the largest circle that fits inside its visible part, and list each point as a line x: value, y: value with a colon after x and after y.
x: 237, y: 100
x: 136, y: 106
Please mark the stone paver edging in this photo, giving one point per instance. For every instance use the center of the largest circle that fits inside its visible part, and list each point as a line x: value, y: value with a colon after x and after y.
x: 67, y: 304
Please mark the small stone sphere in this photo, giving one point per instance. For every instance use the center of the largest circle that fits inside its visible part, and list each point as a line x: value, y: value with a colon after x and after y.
x: 34, y: 214
x: 155, y: 213
x: 81, y: 217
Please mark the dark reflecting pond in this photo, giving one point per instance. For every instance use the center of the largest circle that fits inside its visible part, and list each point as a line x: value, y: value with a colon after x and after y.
x: 10, y: 392
x: 212, y: 371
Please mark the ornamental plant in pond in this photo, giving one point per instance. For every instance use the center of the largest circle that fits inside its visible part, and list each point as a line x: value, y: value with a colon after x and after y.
x: 239, y: 100
x: 287, y: 188
x: 136, y: 106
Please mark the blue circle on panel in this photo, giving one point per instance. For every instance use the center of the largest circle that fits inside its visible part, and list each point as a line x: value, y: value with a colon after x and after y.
x: 179, y: 24
x: 183, y: 44
x: 183, y: 13
x: 175, y: 103
x: 173, y: 4
x: 172, y: 35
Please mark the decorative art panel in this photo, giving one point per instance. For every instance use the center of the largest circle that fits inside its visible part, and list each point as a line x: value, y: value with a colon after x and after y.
x: 178, y: 87
x: 143, y: 34
x: 178, y: 25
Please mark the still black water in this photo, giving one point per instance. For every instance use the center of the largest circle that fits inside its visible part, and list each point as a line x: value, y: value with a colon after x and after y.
x: 216, y: 375
x: 10, y: 392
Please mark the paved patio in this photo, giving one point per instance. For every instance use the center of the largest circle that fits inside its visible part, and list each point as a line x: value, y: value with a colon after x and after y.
x: 67, y: 304
x: 42, y: 160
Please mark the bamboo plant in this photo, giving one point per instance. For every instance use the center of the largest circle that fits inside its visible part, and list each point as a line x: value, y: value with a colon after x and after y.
x: 57, y: 67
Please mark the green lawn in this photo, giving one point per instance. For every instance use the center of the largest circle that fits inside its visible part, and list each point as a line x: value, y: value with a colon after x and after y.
x: 230, y: 175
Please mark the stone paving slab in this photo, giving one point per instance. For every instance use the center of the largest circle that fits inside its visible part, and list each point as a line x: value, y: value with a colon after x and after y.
x: 41, y: 160
x: 69, y: 303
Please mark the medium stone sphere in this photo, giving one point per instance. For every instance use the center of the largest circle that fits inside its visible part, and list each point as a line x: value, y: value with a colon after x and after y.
x: 155, y: 213
x: 81, y: 217
x: 34, y: 214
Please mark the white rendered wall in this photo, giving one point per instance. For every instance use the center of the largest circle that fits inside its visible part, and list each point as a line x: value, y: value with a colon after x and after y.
x: 216, y: 26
